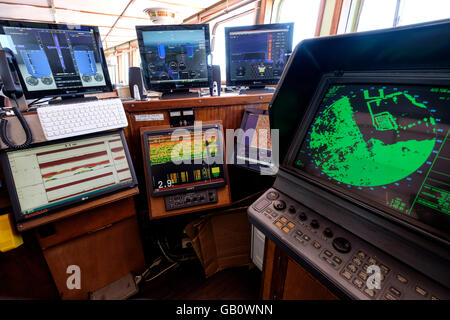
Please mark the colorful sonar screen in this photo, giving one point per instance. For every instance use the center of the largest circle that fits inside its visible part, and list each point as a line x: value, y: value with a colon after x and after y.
x: 185, y: 161
x: 53, y: 175
x: 50, y: 59
x: 387, y: 145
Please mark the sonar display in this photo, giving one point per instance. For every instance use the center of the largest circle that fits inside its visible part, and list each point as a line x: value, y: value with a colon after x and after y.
x: 387, y: 144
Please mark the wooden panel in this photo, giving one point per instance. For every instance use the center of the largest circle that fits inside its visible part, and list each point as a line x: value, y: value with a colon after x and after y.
x: 157, y: 207
x: 301, y: 285
x: 268, y: 266
x: 227, y: 108
x: 77, y: 209
x: 283, y: 278
x: 102, y: 256
x: 88, y: 221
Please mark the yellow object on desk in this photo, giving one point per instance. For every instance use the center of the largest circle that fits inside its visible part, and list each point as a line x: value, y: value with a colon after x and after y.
x: 9, y: 239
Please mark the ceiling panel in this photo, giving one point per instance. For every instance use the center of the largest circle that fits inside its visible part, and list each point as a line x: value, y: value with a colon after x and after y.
x: 32, y: 2
x: 131, y: 23
x: 102, y: 13
x: 84, y: 18
x: 104, y: 6
x: 23, y: 12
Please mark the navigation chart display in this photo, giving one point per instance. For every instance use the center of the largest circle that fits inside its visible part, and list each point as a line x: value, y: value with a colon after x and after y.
x: 386, y: 144
x: 185, y: 161
x: 52, y: 175
x: 50, y: 59
x: 175, y: 56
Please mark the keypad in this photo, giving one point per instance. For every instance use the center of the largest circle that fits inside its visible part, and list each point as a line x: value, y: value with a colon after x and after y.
x: 353, y: 269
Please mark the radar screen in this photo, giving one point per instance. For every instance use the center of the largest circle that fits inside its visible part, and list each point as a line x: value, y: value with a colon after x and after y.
x: 387, y: 145
x: 185, y: 159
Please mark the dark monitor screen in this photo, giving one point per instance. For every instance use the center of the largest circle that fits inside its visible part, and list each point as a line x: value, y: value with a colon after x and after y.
x: 256, y: 55
x: 56, y: 59
x: 181, y: 160
x: 174, y: 57
x: 44, y: 178
x: 384, y: 144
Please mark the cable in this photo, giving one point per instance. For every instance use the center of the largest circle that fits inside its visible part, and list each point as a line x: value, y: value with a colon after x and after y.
x: 162, y: 272
x: 23, y: 122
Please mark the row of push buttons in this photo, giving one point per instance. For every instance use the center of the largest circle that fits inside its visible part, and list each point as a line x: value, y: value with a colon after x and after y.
x: 284, y: 224
x: 331, y: 259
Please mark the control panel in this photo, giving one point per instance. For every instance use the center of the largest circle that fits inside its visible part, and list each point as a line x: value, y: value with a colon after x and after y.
x: 190, y: 199
x: 355, y: 266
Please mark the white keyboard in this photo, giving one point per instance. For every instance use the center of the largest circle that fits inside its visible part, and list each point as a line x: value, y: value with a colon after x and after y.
x: 68, y: 120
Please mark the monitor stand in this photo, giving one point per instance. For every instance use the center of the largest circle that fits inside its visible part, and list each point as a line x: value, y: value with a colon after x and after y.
x: 179, y: 94
x: 257, y: 90
x: 79, y: 98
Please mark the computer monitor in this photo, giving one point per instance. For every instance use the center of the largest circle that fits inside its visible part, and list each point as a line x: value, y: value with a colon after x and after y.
x: 56, y: 59
x: 383, y: 143
x: 175, y: 57
x: 256, y: 55
x: 52, y: 176
x: 253, y: 147
x: 184, y: 159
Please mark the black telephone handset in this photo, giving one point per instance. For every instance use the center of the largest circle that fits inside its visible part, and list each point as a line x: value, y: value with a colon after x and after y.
x: 8, y: 73
x: 13, y: 90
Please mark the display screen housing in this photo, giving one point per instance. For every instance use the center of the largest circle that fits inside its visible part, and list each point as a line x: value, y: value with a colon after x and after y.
x: 175, y: 57
x: 381, y: 141
x: 256, y: 55
x: 165, y: 150
x: 51, y: 176
x: 56, y: 59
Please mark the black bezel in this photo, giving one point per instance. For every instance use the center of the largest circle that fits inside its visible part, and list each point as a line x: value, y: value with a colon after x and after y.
x: 167, y: 87
x: 12, y: 190
x: 181, y: 189
x: 273, y: 81
x: 62, y: 92
x: 419, y: 78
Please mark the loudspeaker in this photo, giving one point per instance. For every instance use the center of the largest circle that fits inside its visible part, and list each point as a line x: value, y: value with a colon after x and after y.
x: 135, y: 79
x: 216, y: 81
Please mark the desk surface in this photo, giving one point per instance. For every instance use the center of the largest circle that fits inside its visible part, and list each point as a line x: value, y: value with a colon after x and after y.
x: 198, y: 102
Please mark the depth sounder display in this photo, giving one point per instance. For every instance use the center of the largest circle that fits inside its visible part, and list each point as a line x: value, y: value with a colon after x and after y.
x: 385, y: 144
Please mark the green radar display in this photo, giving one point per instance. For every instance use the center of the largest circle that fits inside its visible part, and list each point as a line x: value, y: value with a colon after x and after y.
x: 373, y: 137
x: 383, y: 144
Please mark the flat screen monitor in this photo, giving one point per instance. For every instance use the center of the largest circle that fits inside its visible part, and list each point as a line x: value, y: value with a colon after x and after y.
x: 254, y: 146
x: 174, y: 57
x: 256, y: 55
x: 56, y: 59
x: 52, y: 176
x: 382, y: 142
x: 184, y: 159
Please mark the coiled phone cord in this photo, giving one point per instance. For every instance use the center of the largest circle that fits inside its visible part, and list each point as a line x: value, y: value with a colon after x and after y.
x: 23, y: 122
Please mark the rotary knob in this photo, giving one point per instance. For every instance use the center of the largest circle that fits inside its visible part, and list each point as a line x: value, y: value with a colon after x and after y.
x: 342, y: 245
x: 315, y: 224
x: 292, y: 209
x: 279, y: 205
x: 272, y: 195
x: 328, y: 233
x: 302, y: 216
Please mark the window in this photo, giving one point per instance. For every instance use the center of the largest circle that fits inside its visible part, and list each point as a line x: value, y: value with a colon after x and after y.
x: 123, y: 62
x: 378, y: 14
x: 416, y: 11
x: 245, y: 16
x: 304, y: 14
